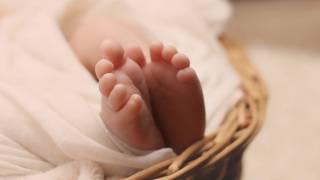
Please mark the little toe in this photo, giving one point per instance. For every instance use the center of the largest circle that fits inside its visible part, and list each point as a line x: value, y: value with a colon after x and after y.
x: 102, y: 67
x: 156, y: 51
x: 133, y: 106
x: 106, y: 83
x: 114, y: 52
x: 180, y: 61
x: 117, y: 97
x: 168, y: 52
x: 187, y: 75
x: 135, y: 53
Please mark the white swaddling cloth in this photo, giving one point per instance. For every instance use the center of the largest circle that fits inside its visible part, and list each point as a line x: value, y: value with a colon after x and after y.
x: 49, y: 120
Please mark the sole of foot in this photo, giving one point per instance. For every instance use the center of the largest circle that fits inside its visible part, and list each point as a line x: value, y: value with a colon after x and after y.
x: 176, y: 97
x: 125, y: 107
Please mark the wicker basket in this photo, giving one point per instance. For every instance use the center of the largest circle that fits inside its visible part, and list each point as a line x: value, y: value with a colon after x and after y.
x: 219, y: 155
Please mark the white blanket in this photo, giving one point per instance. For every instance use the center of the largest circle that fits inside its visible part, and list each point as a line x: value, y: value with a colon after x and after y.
x: 49, y: 122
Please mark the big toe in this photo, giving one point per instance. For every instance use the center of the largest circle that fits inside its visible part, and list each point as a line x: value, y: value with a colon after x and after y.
x: 114, y: 52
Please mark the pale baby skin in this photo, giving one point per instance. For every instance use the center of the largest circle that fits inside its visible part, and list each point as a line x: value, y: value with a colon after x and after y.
x: 151, y: 97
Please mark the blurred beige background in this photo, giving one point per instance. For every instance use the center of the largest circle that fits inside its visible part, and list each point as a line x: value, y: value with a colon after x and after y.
x: 283, y: 40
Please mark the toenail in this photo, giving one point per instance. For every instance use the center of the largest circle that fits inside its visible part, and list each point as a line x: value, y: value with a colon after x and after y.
x: 107, y: 63
x: 135, y: 97
x: 119, y: 86
x: 108, y: 76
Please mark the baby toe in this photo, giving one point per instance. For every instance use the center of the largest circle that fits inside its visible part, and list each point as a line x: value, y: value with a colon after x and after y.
x: 133, y: 106
x: 187, y: 75
x: 135, y: 53
x: 156, y: 51
x: 180, y: 61
x: 114, y: 52
x: 102, y: 67
x: 168, y: 52
x: 117, y: 97
x: 106, y: 83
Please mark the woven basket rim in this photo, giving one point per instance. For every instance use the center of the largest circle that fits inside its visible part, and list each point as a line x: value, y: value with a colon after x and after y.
x: 238, y: 129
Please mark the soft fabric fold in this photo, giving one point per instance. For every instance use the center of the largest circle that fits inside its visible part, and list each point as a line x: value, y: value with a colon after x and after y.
x: 49, y: 121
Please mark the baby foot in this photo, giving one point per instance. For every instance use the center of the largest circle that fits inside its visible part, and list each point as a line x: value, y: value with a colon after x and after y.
x: 125, y: 110
x: 130, y: 66
x: 176, y: 97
